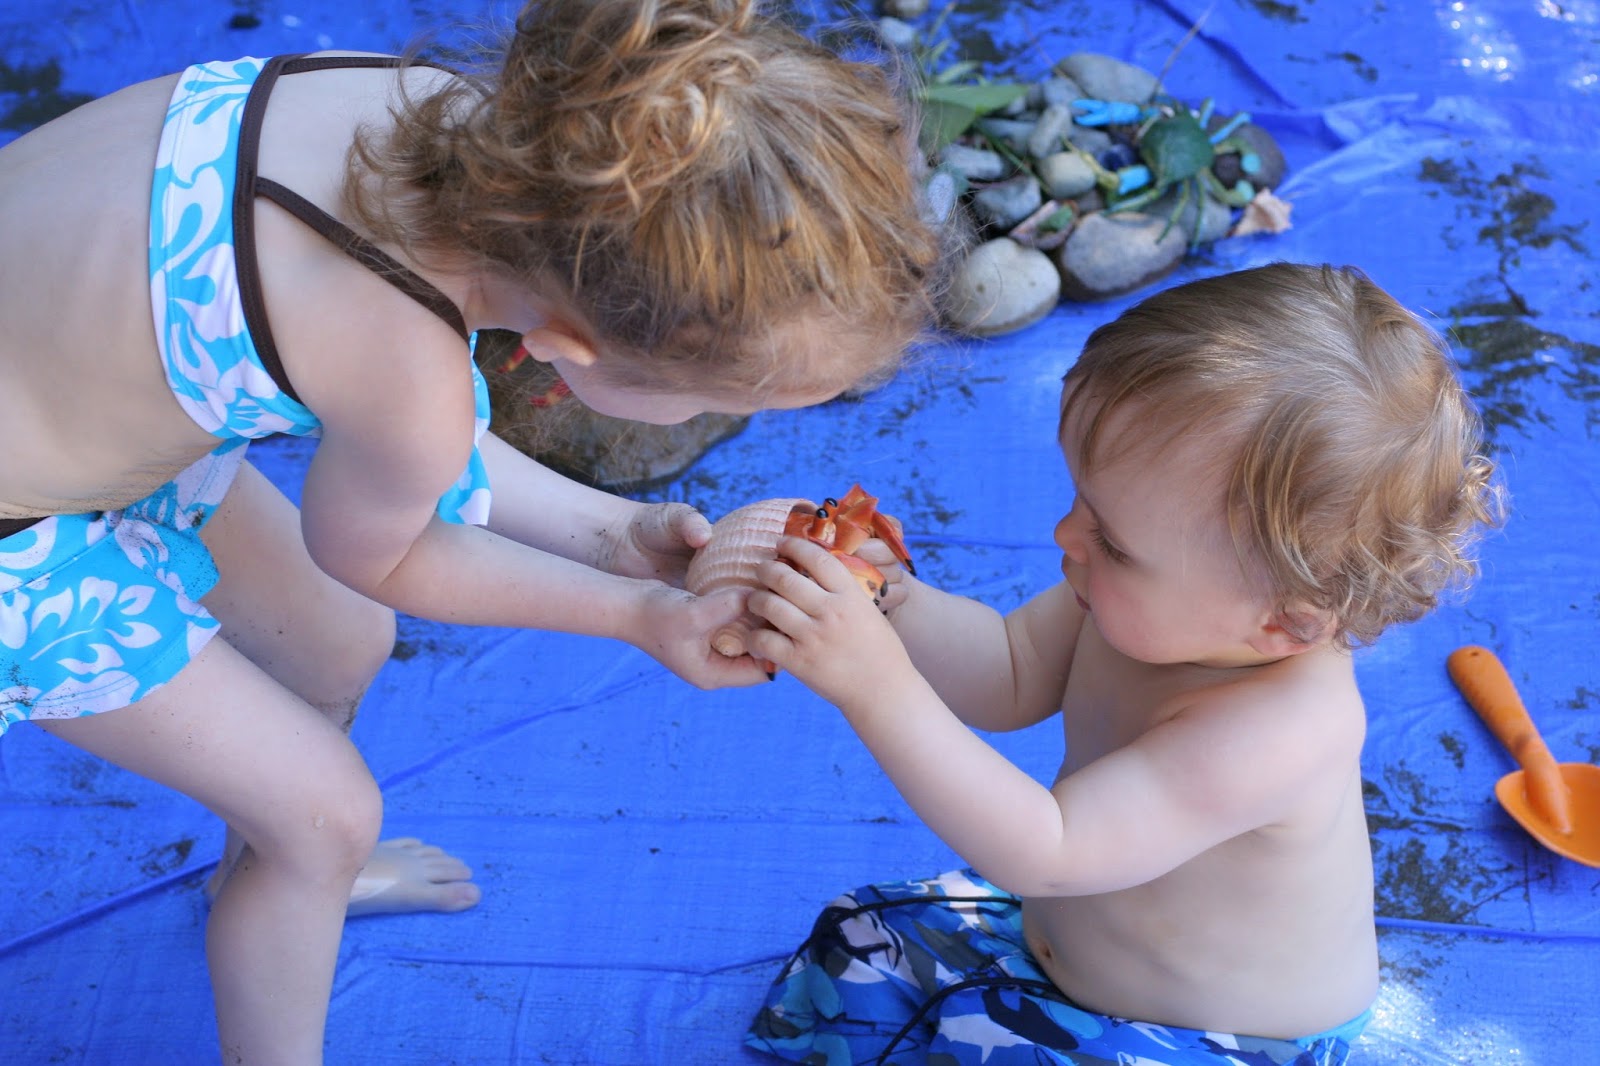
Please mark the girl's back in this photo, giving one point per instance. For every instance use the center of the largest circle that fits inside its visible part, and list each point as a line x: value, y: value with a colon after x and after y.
x: 89, y: 421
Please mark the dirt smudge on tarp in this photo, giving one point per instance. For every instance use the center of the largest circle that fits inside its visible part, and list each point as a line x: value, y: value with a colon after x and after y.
x: 1503, y: 349
x: 31, y: 95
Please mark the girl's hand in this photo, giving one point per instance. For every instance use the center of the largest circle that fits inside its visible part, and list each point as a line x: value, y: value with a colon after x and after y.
x: 657, y: 543
x: 826, y: 630
x: 676, y: 629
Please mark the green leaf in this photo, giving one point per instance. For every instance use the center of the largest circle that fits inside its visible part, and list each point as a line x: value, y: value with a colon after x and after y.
x: 982, y: 99
x: 948, y: 111
x: 1058, y: 219
x: 955, y: 72
x: 943, y: 122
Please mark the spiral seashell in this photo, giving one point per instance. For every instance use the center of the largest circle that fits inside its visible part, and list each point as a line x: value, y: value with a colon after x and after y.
x: 741, y: 540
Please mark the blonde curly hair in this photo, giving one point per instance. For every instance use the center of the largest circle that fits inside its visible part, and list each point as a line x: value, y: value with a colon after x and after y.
x: 702, y: 183
x: 1350, y: 452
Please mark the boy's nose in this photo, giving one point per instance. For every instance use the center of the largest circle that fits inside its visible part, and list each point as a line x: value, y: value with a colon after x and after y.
x: 1069, y: 538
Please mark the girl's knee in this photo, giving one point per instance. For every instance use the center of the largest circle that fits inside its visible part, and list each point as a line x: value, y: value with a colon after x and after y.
x: 353, y: 817
x: 332, y: 829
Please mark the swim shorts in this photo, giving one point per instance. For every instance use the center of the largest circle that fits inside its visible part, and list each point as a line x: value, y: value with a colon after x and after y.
x: 99, y: 610
x: 937, y: 973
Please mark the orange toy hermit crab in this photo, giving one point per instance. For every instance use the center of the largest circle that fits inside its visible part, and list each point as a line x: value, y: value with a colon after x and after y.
x: 743, y: 539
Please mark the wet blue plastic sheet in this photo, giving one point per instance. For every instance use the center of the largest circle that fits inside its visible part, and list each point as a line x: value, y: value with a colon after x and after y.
x: 650, y: 853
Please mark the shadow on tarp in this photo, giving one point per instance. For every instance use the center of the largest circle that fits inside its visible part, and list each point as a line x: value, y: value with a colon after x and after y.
x: 650, y: 854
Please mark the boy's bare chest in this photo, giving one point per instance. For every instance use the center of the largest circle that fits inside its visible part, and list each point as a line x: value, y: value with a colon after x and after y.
x: 1111, y: 700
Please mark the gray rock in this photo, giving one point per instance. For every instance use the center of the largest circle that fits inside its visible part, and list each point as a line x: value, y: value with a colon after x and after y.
x: 974, y: 164
x: 1019, y: 106
x: 1058, y: 89
x: 1050, y: 131
x: 1065, y: 175
x: 568, y: 437
x: 1090, y: 202
x: 1108, y: 255
x: 1005, y: 203
x: 1002, y: 287
x: 1102, y: 77
x: 901, y: 36
x: 1011, y: 132
x: 1089, y: 139
x: 1215, y: 219
x: 1047, y: 228
x: 1265, y: 146
x: 940, y: 191
x: 904, y: 9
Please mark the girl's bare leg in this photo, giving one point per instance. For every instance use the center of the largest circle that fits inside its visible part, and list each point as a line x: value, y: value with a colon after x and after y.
x: 232, y: 738
x: 325, y: 644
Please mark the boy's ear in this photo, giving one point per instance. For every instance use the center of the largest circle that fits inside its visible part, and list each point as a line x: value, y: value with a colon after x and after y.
x: 559, y: 340
x: 1292, y: 630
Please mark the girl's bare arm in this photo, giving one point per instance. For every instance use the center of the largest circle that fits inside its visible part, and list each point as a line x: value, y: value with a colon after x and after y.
x: 391, y: 446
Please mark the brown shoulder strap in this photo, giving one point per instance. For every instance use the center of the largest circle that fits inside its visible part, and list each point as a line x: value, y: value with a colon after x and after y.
x: 249, y: 184
x: 364, y: 252
x: 10, y: 526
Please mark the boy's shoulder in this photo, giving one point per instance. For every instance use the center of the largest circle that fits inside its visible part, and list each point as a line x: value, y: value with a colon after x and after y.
x: 1309, y: 699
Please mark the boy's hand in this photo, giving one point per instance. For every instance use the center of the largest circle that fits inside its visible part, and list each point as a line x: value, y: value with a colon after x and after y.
x: 895, y: 587
x: 827, y: 631
x: 657, y: 543
x: 676, y: 628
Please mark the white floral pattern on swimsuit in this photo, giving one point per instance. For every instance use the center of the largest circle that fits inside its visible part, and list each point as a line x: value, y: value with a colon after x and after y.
x: 99, y: 610
x: 211, y: 361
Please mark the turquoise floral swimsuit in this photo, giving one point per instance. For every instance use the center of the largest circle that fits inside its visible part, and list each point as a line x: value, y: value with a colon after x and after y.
x: 98, y: 610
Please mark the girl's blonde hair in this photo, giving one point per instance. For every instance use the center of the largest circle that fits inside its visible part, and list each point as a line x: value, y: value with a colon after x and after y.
x: 697, y: 178
x: 1350, y: 452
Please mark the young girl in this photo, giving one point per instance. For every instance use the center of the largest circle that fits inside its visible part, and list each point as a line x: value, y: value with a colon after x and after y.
x: 681, y: 206
x: 1271, y: 467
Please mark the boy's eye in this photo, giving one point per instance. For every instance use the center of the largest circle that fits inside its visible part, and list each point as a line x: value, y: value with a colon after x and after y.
x: 1110, y: 550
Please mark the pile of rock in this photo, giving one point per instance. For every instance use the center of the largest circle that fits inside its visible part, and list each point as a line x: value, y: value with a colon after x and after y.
x: 1039, y: 186
x: 533, y: 412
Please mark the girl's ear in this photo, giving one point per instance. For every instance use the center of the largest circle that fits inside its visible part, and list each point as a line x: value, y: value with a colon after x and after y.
x: 558, y: 340
x: 1291, y: 631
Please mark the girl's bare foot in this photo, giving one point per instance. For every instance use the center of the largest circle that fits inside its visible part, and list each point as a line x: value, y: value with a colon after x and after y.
x: 403, y: 876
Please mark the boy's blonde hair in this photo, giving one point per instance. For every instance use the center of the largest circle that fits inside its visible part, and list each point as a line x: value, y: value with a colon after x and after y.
x: 1355, y: 481
x: 698, y: 178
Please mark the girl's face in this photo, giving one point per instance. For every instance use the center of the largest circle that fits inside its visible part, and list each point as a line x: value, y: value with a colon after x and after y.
x: 1148, y: 552
x: 591, y: 373
x: 663, y: 407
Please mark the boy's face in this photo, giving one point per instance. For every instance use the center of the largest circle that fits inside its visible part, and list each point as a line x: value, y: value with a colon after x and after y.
x: 1148, y: 551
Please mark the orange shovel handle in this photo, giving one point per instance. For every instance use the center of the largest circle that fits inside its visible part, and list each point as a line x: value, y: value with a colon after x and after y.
x: 1483, y: 680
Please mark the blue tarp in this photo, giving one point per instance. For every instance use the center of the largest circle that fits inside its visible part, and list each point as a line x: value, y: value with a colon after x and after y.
x: 650, y: 854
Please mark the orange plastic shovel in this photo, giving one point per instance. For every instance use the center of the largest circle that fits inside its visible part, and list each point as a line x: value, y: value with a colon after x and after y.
x: 1557, y: 803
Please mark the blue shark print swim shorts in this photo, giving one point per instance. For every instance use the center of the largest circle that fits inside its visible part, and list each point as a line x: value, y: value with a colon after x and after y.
x: 937, y: 973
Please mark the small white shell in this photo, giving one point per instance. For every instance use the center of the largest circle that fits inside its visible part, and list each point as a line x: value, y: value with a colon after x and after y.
x: 1263, y: 214
x: 741, y: 540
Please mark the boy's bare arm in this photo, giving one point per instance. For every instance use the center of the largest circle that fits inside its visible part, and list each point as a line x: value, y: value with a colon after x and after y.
x: 1229, y: 761
x: 1204, y: 776
x: 997, y: 673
